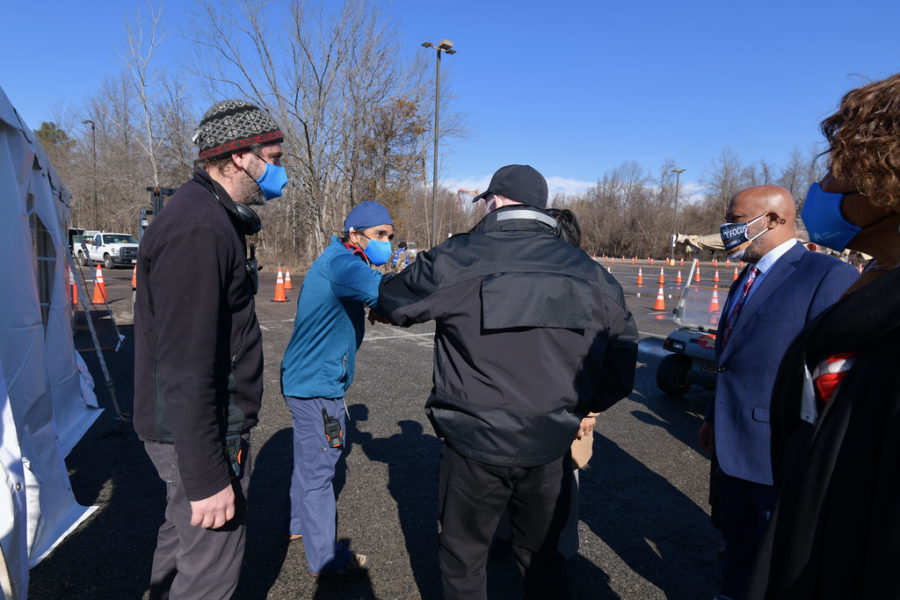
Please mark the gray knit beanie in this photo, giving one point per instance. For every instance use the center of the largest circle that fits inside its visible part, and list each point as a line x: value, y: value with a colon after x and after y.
x: 233, y: 125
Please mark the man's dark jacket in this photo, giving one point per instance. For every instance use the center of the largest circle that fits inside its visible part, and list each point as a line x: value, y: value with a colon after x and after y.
x: 198, y: 346
x: 531, y: 334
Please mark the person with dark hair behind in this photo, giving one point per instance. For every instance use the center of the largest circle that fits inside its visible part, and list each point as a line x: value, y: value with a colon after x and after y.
x: 834, y: 412
x: 569, y: 229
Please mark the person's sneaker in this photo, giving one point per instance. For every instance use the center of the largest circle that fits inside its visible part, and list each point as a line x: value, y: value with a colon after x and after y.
x: 355, y: 568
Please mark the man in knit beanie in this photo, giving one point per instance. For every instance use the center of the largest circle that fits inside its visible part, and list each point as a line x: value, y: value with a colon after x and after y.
x: 198, y: 350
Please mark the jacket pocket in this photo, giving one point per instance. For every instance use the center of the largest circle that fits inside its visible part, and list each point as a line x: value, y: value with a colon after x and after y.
x: 761, y: 414
x: 513, y: 300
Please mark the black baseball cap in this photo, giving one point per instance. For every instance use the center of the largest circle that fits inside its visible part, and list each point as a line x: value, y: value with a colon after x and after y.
x: 521, y: 183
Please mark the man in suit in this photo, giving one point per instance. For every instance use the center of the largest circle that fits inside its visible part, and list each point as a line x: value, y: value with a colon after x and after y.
x: 783, y: 288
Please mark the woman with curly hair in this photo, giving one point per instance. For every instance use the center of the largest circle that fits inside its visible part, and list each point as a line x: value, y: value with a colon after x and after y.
x: 835, y: 412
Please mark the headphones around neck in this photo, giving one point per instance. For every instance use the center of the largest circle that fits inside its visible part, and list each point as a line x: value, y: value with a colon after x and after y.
x: 244, y: 218
x: 247, y: 221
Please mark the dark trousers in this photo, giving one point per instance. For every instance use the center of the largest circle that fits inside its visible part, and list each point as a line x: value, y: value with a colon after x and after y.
x: 473, y: 495
x: 193, y: 562
x: 744, y: 511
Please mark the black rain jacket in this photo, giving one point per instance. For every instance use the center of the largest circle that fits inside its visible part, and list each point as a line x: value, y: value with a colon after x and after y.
x: 531, y: 335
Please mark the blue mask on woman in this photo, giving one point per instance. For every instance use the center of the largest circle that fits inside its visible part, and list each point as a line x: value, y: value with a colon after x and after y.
x: 378, y: 252
x: 823, y: 219
x: 272, y: 181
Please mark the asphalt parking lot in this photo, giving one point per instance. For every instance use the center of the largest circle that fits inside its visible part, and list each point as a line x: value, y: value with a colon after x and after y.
x: 644, y: 526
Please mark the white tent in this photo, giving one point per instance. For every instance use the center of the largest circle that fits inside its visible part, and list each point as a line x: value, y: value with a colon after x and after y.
x: 46, y: 397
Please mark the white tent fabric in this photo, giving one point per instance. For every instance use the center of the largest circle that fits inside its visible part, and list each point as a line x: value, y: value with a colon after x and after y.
x: 50, y: 398
x: 13, y: 535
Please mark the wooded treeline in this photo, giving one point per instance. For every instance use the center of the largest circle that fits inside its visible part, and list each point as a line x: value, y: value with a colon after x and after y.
x: 357, y: 117
x: 630, y: 211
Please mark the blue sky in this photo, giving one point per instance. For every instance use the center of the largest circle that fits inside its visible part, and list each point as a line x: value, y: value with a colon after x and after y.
x: 574, y: 88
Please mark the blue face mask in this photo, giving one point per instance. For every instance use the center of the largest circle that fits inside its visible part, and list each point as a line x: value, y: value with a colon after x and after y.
x: 272, y: 181
x: 378, y: 252
x: 735, y: 234
x: 823, y: 219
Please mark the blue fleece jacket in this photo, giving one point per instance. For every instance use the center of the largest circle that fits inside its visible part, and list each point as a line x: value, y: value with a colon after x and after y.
x: 329, y: 325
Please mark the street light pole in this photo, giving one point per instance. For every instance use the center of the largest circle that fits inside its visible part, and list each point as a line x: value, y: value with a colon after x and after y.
x: 94, y: 151
x: 678, y: 173
x: 443, y: 46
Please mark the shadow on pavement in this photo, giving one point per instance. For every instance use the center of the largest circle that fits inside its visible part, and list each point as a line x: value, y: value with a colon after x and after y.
x: 267, y: 501
x: 336, y: 589
x: 108, y: 467
x: 412, y: 459
x: 650, y: 524
x: 681, y: 417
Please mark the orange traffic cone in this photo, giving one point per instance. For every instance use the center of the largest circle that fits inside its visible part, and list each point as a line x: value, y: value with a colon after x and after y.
x: 735, y: 274
x: 678, y: 277
x: 714, y: 302
x: 633, y: 260
x: 697, y: 274
x: 99, y: 288
x: 714, y: 307
x: 134, y: 278
x: 650, y: 260
x: 662, y: 276
x: 74, y: 289
x: 287, y: 281
x: 279, y: 288
x: 716, y: 276
x: 681, y: 262
x: 660, y: 303
x: 640, y: 280
x: 727, y: 262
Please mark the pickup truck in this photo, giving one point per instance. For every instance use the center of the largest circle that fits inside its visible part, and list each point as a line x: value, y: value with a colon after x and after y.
x: 111, y: 249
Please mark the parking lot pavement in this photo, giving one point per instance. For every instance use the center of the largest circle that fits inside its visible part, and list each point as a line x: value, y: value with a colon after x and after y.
x: 644, y: 525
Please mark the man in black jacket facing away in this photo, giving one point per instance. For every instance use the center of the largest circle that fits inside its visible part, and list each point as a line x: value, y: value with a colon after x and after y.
x: 198, y: 350
x: 531, y: 336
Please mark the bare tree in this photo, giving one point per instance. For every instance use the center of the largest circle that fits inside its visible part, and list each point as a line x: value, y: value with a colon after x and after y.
x: 138, y: 66
x: 724, y: 178
x: 348, y: 106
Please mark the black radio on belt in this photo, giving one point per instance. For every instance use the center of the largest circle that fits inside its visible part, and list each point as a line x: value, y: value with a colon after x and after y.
x: 332, y: 431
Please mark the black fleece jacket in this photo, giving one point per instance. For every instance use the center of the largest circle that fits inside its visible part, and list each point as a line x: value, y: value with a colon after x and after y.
x: 198, y: 346
x: 531, y: 335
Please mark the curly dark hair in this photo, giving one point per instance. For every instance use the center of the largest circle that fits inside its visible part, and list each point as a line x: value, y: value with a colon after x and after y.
x: 569, y: 230
x: 864, y: 141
